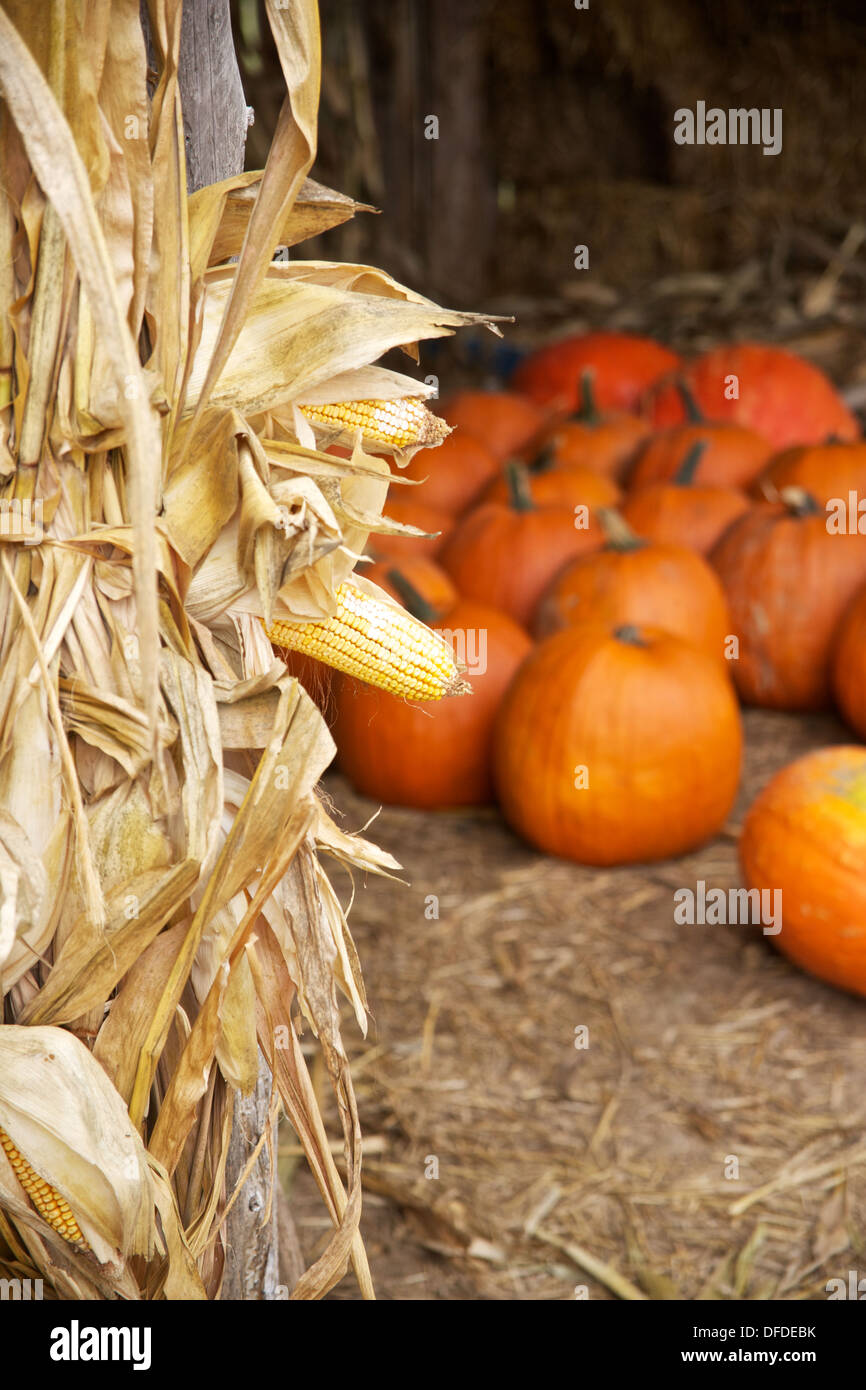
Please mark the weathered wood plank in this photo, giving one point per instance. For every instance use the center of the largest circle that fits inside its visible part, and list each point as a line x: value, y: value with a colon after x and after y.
x: 214, y: 108
x: 215, y: 127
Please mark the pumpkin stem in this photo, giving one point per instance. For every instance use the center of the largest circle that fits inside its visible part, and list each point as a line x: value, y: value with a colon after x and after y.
x: 618, y: 535
x: 627, y: 632
x: 799, y: 502
x: 519, y: 492
x: 587, y: 410
x: 685, y: 474
x: 414, y: 602
x: 544, y: 460
x: 694, y: 414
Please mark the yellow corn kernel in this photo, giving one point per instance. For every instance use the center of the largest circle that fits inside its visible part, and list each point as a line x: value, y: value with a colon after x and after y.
x: 396, y: 424
x: 377, y: 643
x: 46, y: 1199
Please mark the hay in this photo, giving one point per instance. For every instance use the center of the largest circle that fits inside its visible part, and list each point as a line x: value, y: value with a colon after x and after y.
x: 602, y: 1167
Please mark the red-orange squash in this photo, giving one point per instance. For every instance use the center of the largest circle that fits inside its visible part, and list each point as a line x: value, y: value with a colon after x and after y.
x: 788, y: 581
x: 506, y: 554
x: 433, y: 754
x: 615, y: 746
x: 451, y: 477
x: 826, y: 471
x: 803, y: 844
x: 849, y: 664
x: 623, y: 365
x: 766, y: 388
x: 683, y: 512
x: 634, y: 581
x: 507, y: 424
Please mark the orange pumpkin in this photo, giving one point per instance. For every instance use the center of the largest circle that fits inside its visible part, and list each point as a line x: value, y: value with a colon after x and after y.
x: 554, y: 486
x: 623, y: 365
x: 632, y: 581
x: 506, y: 554
x: 507, y: 424
x: 451, y: 477
x: 433, y: 754
x: 767, y: 389
x: 849, y: 664
x: 427, y: 579
x: 788, y: 581
x: 804, y: 838
x: 826, y: 471
x: 411, y: 513
x: 614, y: 746
x: 605, y: 443
x: 683, y: 512
x: 732, y: 455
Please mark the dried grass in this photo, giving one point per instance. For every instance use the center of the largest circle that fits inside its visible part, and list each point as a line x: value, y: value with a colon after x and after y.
x: 606, y: 1166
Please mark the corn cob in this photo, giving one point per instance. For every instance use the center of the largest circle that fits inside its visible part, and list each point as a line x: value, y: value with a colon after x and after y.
x: 398, y: 424
x: 377, y: 643
x: 46, y: 1199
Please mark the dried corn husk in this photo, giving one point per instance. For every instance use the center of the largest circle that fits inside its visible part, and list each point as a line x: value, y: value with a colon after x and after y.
x: 164, y: 912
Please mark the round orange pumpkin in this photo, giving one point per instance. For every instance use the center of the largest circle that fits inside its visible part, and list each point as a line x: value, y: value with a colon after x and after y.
x: 849, y: 664
x: 732, y: 455
x: 624, y: 365
x: 614, y: 746
x: 433, y: 586
x: 605, y: 443
x: 804, y: 837
x: 788, y: 581
x: 433, y: 754
x: 683, y: 512
x: 826, y: 471
x: 506, y: 554
x: 505, y: 423
x: 766, y: 388
x: 552, y: 485
x: 633, y: 581
x: 451, y: 477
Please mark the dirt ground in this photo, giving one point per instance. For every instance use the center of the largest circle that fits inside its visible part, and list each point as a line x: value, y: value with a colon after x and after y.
x: 707, y: 1142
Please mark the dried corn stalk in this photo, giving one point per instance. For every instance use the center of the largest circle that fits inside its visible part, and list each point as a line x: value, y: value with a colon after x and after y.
x: 163, y: 909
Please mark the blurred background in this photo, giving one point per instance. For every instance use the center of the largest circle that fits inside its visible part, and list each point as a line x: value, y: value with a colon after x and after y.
x: 556, y: 129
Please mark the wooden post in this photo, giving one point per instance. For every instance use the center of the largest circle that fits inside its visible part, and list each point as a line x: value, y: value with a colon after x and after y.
x: 460, y: 213
x: 215, y: 115
x: 215, y: 127
x: 252, y: 1248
